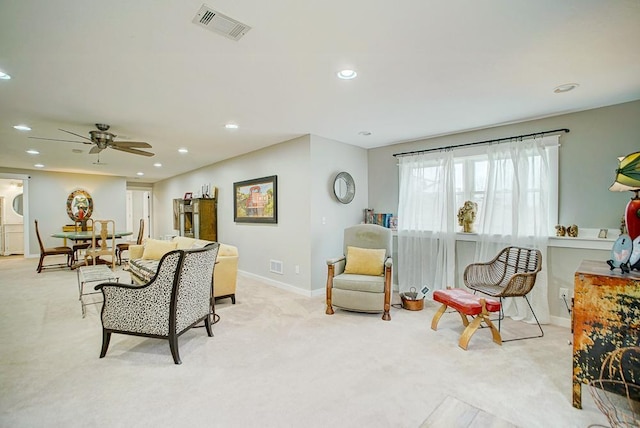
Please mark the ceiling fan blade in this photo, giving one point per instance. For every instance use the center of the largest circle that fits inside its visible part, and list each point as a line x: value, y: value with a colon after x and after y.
x: 94, y: 150
x: 73, y: 133
x: 55, y: 139
x: 131, y: 144
x: 134, y: 151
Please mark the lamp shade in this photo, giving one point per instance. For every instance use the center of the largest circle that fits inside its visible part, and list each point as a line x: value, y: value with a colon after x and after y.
x: 628, y: 178
x: 627, y: 174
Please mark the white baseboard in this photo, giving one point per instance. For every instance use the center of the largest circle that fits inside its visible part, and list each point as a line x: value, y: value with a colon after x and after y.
x: 559, y: 321
x: 280, y: 285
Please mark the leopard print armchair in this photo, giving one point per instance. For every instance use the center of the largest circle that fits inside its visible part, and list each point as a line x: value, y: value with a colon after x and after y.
x: 176, y: 299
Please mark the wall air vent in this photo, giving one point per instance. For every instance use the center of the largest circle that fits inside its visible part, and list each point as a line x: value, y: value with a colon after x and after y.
x: 220, y: 23
x: 276, y: 266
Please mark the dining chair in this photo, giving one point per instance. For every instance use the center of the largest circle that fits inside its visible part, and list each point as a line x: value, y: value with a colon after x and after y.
x: 124, y: 246
x: 102, y: 232
x: 81, y: 244
x: 52, y: 251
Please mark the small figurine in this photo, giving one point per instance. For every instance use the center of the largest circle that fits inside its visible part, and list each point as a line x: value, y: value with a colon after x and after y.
x: 467, y: 215
x: 572, y: 231
x: 561, y: 230
x: 623, y: 226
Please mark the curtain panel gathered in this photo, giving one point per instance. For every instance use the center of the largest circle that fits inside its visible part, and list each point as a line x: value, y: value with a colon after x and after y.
x: 513, y: 184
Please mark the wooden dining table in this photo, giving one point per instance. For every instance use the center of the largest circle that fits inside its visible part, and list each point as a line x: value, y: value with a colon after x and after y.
x: 87, y: 236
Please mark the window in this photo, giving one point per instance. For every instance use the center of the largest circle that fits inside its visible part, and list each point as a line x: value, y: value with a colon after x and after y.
x: 512, y: 190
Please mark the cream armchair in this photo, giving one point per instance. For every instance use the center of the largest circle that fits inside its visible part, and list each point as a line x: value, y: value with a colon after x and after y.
x: 225, y: 275
x: 360, y: 280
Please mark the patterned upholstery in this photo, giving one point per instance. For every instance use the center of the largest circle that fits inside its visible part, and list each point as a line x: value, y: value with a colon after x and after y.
x: 176, y: 299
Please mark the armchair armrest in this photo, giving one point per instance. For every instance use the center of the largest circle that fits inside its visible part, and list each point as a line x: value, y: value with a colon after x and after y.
x: 336, y: 265
x: 147, y: 305
x: 388, y: 263
x: 335, y: 260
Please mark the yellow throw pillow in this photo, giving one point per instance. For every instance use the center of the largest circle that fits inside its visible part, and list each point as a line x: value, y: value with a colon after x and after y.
x: 154, y: 249
x: 365, y: 261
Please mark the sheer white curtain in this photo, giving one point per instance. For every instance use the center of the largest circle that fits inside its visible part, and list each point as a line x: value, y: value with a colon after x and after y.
x: 426, y: 229
x: 518, y: 209
x: 515, y: 186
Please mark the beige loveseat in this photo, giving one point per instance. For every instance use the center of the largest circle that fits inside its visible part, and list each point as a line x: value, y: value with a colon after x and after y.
x: 144, y: 260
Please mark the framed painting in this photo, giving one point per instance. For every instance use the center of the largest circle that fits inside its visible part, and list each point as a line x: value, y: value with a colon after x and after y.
x: 256, y: 201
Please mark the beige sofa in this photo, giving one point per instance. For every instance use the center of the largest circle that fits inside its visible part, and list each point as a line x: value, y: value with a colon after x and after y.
x: 144, y: 260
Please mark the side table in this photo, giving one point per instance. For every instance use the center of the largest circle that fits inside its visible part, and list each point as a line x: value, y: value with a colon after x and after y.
x: 606, y: 317
x: 87, y: 274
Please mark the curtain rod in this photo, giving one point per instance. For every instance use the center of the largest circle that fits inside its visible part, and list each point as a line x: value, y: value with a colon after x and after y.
x: 543, y: 133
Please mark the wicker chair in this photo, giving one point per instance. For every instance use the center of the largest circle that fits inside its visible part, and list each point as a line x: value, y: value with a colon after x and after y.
x: 176, y: 299
x: 511, y: 274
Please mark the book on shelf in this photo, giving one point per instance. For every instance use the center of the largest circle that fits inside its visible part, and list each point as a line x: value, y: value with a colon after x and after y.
x: 382, y: 219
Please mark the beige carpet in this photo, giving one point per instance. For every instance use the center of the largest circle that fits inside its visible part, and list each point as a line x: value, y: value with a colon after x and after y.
x: 453, y: 413
x: 276, y: 361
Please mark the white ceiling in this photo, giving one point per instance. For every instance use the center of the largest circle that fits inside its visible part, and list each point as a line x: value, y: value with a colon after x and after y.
x: 425, y: 68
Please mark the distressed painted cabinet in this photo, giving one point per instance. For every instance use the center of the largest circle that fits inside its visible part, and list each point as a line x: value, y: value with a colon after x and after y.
x: 606, y: 316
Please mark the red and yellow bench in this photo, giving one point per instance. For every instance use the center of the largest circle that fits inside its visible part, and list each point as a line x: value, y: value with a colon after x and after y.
x: 467, y: 304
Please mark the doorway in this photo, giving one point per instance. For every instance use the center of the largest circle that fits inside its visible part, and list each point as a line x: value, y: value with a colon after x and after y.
x: 139, y: 207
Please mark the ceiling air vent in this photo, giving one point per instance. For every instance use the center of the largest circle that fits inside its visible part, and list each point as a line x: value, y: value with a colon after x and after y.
x: 220, y: 23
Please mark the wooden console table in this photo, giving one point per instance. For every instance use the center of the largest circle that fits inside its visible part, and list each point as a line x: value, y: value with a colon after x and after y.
x: 606, y: 316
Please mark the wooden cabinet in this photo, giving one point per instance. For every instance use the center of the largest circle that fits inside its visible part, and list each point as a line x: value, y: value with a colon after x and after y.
x: 606, y: 316
x: 198, y: 218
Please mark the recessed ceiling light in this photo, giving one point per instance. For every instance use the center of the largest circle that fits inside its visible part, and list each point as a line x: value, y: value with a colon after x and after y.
x: 39, y: 165
x: 22, y: 128
x: 565, y: 88
x: 140, y: 173
x: 157, y: 164
x: 4, y: 76
x: 76, y: 150
x: 347, y: 74
x: 365, y: 133
x: 33, y: 152
x: 231, y: 126
x: 183, y: 150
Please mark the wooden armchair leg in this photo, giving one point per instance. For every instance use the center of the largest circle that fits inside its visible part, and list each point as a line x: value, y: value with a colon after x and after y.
x: 330, y: 274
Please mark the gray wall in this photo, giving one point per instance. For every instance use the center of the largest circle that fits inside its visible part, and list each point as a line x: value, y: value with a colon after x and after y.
x: 328, y: 216
x: 47, y: 202
x: 588, y: 159
x: 310, y: 220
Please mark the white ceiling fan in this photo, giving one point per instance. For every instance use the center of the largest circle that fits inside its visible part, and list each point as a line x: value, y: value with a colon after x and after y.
x: 104, y: 139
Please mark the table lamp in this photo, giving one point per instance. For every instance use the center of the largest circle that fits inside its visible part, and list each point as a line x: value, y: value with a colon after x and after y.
x: 628, y: 178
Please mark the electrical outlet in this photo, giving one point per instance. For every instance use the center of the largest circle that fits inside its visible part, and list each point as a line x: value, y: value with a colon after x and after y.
x: 563, y: 294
